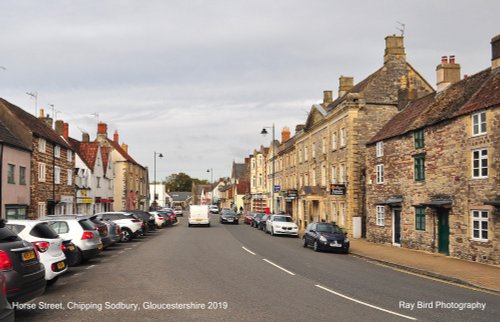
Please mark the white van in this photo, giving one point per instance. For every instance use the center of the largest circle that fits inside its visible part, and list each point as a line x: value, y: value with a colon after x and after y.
x: 199, y: 215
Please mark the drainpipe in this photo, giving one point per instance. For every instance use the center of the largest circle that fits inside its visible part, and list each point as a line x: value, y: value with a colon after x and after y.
x: 54, y: 180
x: 433, y: 244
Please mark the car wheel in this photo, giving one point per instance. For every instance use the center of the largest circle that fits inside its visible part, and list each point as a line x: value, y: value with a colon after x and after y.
x: 272, y: 231
x: 52, y: 281
x: 304, y: 242
x: 189, y: 225
x: 126, y: 235
x: 316, y: 246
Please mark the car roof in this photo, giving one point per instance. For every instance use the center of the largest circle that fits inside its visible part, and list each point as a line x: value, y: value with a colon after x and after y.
x: 64, y: 217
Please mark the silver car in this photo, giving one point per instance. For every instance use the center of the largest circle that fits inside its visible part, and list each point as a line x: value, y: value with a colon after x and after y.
x: 80, y: 231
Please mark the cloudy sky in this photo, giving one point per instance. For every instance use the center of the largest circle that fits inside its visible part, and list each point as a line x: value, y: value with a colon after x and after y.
x: 197, y: 80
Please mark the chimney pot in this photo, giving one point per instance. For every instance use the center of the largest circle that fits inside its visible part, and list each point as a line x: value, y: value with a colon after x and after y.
x: 495, y: 52
x: 444, y: 60
x: 59, y: 127
x: 66, y: 131
x: 115, y: 136
x: 447, y: 74
x: 285, y: 134
x: 452, y: 59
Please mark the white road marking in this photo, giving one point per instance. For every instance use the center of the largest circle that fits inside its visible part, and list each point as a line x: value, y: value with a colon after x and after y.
x: 121, y: 252
x: 364, y: 303
x: 91, y: 266
x: 285, y: 270
x: 128, y: 248
x: 248, y: 250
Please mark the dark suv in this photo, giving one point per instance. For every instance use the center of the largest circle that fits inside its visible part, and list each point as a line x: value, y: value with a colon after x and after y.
x: 23, y: 272
x: 146, y: 217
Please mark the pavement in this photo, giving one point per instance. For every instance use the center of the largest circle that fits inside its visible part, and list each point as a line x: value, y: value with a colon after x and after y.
x: 478, y: 275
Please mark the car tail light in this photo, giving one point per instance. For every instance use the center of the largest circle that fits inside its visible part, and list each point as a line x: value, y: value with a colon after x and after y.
x: 136, y: 220
x: 63, y: 247
x: 87, y: 235
x: 42, y: 246
x: 160, y: 218
x: 5, y: 262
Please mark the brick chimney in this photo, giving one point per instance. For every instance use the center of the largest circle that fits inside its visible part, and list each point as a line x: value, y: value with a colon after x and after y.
x: 495, y: 52
x: 394, y: 48
x: 102, y: 130
x: 59, y: 127
x: 125, y: 147
x: 447, y: 73
x: 327, y: 97
x: 345, y: 85
x: 115, y: 136
x: 85, y: 137
x: 66, y: 131
x: 285, y: 134
x: 45, y: 119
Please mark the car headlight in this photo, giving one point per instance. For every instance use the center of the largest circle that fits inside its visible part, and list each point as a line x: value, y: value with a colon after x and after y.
x: 322, y: 238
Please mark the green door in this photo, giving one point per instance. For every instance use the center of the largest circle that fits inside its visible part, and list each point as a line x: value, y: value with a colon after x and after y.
x: 443, y: 231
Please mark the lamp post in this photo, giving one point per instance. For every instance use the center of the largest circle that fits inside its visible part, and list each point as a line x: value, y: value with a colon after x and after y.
x: 211, y: 170
x: 264, y: 132
x: 154, y: 175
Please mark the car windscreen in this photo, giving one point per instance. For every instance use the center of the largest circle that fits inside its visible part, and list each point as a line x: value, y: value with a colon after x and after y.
x: 229, y: 213
x: 86, y: 224
x: 43, y: 230
x: 283, y: 219
x: 258, y: 216
x: 7, y: 235
x: 326, y: 228
x: 15, y: 228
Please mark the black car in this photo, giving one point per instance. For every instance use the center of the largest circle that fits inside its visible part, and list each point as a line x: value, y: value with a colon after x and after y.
x: 6, y: 310
x: 262, y: 222
x: 71, y: 252
x: 256, y: 220
x: 23, y: 272
x: 146, y: 217
x: 324, y: 236
x: 229, y: 217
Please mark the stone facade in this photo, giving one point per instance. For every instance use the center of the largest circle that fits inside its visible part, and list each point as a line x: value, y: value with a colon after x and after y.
x: 440, y: 186
x: 258, y: 181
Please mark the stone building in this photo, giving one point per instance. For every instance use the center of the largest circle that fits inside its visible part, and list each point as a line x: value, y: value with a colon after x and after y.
x: 131, y: 183
x: 52, y: 161
x: 330, y: 148
x: 260, y: 197
x: 433, y: 176
x: 15, y: 169
x: 286, y: 174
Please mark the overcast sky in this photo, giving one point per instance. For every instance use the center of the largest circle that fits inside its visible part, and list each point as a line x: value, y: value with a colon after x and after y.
x: 197, y: 80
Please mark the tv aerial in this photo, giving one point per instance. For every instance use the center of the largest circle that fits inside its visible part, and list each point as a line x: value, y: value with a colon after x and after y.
x: 401, y: 28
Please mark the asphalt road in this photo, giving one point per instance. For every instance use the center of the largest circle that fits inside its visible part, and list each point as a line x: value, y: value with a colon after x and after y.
x: 236, y: 273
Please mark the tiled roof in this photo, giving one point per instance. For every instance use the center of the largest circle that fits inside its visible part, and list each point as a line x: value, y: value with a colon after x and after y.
x: 118, y: 148
x: 37, y: 127
x: 105, y: 151
x: 243, y: 187
x: 9, y: 138
x: 86, y: 150
x: 476, y: 92
x: 238, y: 170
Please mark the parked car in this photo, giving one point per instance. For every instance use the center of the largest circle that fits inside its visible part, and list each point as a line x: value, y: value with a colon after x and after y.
x: 248, y: 218
x: 146, y: 217
x: 281, y: 225
x: 169, y: 217
x: 71, y: 252
x: 160, y: 220
x: 324, y: 236
x: 256, y: 220
x: 80, y: 230
x: 229, y: 217
x: 114, y: 231
x: 130, y: 226
x: 262, y: 222
x: 178, y: 211
x: 213, y: 209
x: 19, y: 262
x: 6, y: 310
x: 102, y: 228
x: 46, y: 241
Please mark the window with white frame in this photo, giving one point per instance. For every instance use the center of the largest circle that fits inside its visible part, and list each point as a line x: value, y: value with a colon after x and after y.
x: 313, y: 147
x: 380, y: 173
x: 41, y: 145
x: 57, y: 175
x: 323, y: 175
x: 300, y: 155
x: 334, y: 174
x: 306, y: 179
x: 380, y: 215
x: 260, y: 180
x: 42, y: 209
x: 343, y: 219
x: 306, y: 152
x: 335, y: 216
x: 380, y: 149
x: 334, y: 140
x: 69, y: 155
x: 41, y: 171
x: 479, y: 123
x: 70, y: 177
x: 57, y: 151
x: 480, y: 225
x: 480, y: 163
x: 313, y: 177
x: 343, y: 137
x: 323, y: 146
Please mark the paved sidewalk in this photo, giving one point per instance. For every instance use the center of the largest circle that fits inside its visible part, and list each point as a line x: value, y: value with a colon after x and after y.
x: 479, y: 275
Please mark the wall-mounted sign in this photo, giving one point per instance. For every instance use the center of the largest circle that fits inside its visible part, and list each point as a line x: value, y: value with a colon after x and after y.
x: 277, y: 188
x: 292, y: 193
x: 337, y: 189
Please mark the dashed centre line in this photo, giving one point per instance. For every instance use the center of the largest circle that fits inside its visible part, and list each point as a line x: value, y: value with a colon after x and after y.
x: 248, y: 250
x: 275, y: 265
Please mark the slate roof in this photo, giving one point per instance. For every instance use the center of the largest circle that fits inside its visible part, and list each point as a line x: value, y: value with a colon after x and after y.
x: 9, y: 138
x: 35, y: 125
x: 238, y: 170
x: 469, y: 95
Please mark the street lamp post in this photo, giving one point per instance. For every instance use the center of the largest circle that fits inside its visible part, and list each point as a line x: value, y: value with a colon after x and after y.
x: 264, y: 132
x: 211, y: 170
x: 154, y: 176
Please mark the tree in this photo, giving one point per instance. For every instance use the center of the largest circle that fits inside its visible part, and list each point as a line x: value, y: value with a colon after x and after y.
x: 181, y: 182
